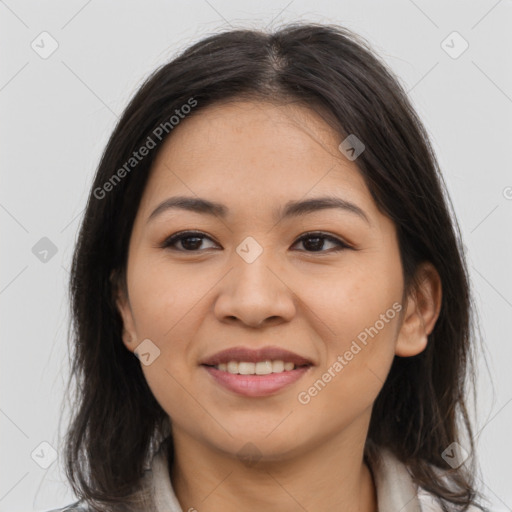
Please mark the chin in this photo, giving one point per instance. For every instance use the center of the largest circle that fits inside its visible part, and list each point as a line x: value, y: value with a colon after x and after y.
x: 257, y: 445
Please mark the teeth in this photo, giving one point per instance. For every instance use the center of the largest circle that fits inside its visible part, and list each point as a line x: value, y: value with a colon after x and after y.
x: 277, y: 366
x: 259, y: 368
x: 263, y: 368
x: 246, y: 368
x: 232, y: 367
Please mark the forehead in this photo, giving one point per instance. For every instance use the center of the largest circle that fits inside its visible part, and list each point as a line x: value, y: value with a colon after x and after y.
x: 250, y: 153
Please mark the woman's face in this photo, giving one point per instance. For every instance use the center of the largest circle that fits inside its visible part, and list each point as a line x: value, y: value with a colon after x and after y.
x: 249, y: 278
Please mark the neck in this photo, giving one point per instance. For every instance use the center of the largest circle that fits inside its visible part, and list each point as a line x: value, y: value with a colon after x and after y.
x: 331, y: 476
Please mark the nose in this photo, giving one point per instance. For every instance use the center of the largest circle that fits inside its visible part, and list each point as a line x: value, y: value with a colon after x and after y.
x: 255, y: 294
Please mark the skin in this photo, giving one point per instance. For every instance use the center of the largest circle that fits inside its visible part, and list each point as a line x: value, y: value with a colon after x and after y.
x: 254, y: 156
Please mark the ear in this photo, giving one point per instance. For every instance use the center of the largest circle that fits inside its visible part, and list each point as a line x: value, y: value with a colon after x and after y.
x: 120, y: 297
x: 421, y: 313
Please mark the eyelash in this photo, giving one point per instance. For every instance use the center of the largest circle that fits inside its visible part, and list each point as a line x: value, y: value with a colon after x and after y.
x: 169, y: 241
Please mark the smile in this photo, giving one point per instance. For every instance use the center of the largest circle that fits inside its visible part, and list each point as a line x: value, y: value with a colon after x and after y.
x: 258, y: 368
x: 259, y: 379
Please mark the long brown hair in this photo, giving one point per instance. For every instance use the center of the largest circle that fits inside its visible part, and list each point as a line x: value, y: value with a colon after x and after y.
x: 421, y: 409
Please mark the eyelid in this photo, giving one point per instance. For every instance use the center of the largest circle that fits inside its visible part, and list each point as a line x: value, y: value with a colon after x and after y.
x: 342, y: 244
x: 331, y: 238
x: 165, y: 244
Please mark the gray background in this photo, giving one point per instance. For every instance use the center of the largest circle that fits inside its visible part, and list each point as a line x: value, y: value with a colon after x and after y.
x: 57, y: 113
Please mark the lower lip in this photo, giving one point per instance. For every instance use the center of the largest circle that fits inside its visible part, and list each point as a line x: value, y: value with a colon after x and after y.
x: 256, y: 385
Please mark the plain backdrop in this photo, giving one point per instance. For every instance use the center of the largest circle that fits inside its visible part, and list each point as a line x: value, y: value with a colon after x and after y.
x: 58, y: 109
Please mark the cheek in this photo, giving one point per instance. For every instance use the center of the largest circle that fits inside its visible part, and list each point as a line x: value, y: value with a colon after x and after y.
x: 357, y: 313
x: 357, y: 361
x: 164, y: 303
x: 168, y: 303
x: 347, y: 302
x: 162, y: 296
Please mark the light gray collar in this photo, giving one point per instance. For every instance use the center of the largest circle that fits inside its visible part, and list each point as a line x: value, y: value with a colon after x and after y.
x: 396, y: 490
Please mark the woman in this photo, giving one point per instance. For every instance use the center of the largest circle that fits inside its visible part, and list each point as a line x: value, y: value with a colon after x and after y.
x: 270, y: 299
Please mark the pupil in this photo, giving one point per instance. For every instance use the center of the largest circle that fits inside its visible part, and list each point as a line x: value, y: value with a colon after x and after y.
x: 317, y: 245
x: 195, y: 244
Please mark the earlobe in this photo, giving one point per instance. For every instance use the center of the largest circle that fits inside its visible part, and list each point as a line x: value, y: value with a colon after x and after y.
x: 421, y: 313
x: 128, y: 340
x: 129, y: 335
x: 123, y: 306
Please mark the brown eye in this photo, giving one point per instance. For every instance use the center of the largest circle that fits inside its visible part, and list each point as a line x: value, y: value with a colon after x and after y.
x: 315, y: 242
x: 190, y: 241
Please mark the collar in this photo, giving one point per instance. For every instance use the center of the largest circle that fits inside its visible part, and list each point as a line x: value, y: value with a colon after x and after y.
x: 396, y: 491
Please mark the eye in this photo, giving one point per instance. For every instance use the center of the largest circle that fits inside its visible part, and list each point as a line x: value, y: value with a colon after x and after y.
x: 191, y: 242
x: 315, y: 242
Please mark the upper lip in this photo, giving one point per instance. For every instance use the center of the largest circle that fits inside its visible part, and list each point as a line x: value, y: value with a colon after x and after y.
x: 251, y: 355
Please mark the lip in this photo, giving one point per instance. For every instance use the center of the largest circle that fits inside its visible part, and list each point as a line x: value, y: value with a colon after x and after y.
x: 251, y: 355
x: 256, y: 385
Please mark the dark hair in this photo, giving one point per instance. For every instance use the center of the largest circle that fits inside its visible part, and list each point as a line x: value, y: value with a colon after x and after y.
x: 117, y: 422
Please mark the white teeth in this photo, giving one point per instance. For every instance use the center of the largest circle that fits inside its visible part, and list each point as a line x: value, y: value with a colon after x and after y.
x: 263, y: 368
x: 277, y: 366
x: 246, y: 368
x: 232, y: 367
x: 260, y: 368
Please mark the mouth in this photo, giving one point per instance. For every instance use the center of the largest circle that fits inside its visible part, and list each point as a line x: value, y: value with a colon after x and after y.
x: 259, y: 368
x: 256, y: 373
x: 259, y: 379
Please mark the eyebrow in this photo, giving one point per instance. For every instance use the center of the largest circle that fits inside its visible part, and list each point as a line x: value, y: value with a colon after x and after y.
x: 291, y: 208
